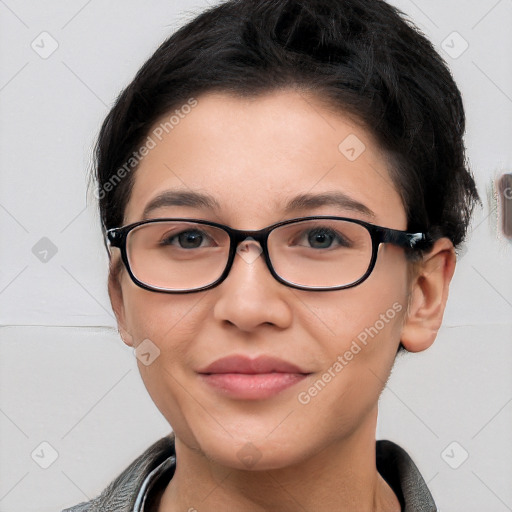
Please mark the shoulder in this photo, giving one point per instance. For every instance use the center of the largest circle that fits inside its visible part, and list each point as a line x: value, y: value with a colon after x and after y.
x: 400, y: 472
x: 121, y: 493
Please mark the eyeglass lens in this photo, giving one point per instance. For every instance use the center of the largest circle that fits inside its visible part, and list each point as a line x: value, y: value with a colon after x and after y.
x: 181, y: 255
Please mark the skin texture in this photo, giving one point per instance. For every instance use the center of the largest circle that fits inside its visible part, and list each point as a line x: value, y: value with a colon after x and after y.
x: 253, y: 155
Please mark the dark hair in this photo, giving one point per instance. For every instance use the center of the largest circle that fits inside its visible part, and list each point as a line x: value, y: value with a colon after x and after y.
x: 363, y: 57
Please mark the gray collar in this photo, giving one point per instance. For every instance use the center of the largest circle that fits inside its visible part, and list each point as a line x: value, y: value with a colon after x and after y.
x: 149, y: 482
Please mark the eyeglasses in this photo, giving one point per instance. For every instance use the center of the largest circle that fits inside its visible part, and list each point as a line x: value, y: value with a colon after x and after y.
x: 175, y: 255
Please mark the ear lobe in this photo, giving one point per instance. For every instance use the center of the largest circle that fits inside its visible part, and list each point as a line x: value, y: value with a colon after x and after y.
x: 116, y: 300
x: 429, y: 293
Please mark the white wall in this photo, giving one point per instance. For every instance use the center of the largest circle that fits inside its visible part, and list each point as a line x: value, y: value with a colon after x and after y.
x: 65, y: 376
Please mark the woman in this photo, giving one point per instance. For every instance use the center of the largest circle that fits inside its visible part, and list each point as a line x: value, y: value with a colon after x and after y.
x: 282, y: 187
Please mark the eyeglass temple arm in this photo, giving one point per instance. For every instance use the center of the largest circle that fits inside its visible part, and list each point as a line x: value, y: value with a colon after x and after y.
x: 115, y: 237
x: 416, y: 241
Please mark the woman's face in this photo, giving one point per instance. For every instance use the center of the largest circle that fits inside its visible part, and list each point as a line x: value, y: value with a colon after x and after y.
x: 253, y: 156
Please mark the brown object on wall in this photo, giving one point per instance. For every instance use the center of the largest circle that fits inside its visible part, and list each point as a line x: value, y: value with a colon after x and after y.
x: 505, y: 199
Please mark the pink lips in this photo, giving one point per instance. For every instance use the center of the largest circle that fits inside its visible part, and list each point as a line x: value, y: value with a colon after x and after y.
x: 251, y: 379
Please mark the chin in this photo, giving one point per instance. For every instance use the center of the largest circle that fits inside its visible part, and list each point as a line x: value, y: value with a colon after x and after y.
x: 250, y: 452
x: 250, y: 457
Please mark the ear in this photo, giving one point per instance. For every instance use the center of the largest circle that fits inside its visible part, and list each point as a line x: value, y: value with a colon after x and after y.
x: 429, y: 293
x: 115, y: 293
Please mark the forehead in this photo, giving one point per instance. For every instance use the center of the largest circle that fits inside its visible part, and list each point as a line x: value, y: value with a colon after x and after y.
x: 254, y: 157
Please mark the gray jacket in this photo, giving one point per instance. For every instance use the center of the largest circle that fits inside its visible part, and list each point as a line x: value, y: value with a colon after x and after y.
x: 156, y: 466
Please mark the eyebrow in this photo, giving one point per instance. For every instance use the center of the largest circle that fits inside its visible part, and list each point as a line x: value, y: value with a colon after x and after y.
x: 181, y: 198
x: 337, y: 199
x: 300, y: 202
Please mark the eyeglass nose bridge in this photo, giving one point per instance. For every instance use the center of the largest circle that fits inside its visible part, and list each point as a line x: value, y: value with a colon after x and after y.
x: 249, y: 249
x: 249, y: 245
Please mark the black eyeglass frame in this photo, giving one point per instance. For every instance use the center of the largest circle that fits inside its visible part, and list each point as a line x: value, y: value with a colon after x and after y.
x: 379, y: 235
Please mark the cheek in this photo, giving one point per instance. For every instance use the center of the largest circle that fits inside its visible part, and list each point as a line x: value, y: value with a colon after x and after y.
x: 341, y: 316
x: 171, y: 323
x: 358, y: 351
x: 167, y: 325
x: 162, y: 318
x: 358, y: 331
x: 359, y: 334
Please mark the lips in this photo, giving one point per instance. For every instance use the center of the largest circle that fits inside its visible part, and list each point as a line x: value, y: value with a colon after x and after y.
x: 242, y: 364
x: 241, y: 378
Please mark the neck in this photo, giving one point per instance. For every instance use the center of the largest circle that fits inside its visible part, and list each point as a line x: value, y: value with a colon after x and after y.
x: 342, y: 477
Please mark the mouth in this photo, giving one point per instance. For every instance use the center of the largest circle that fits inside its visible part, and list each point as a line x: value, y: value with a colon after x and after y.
x: 242, y: 378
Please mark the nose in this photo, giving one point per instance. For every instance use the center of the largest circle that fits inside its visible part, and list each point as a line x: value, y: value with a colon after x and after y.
x: 249, y: 250
x: 250, y: 296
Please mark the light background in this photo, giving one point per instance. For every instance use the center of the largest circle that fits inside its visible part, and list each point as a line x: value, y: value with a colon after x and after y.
x: 65, y: 376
